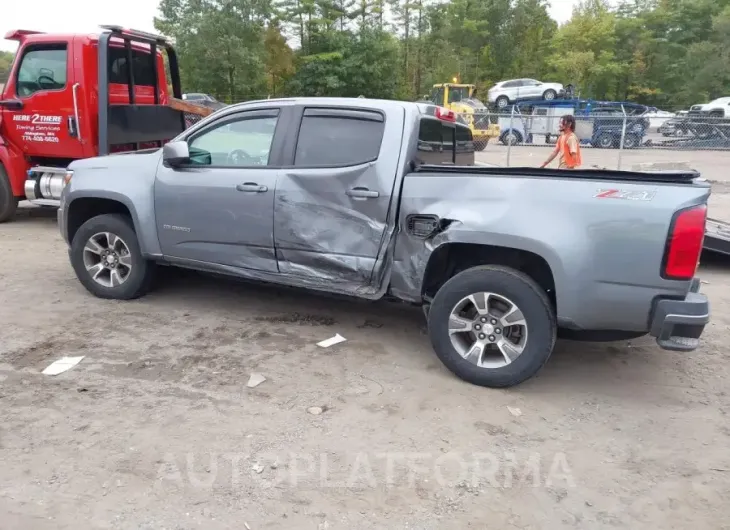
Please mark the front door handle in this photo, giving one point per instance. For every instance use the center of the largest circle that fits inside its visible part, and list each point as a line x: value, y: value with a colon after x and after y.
x: 362, y: 193
x: 252, y: 187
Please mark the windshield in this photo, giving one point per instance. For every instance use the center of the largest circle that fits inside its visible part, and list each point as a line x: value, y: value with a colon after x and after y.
x: 474, y: 103
x: 458, y: 94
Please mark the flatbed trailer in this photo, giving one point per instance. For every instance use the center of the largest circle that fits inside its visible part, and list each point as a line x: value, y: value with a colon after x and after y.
x: 717, y: 236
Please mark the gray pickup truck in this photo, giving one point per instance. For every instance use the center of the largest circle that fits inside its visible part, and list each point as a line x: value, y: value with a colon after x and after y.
x: 380, y: 199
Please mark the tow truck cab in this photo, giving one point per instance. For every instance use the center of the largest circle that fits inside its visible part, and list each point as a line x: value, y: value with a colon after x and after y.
x: 77, y: 96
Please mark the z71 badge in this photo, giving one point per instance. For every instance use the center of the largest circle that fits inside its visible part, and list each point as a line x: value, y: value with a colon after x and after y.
x: 628, y: 195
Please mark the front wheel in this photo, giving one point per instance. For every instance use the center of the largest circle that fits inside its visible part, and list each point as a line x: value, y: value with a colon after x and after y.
x: 107, y: 259
x: 480, y: 145
x: 492, y: 326
x: 549, y: 95
x: 502, y: 102
x: 8, y: 202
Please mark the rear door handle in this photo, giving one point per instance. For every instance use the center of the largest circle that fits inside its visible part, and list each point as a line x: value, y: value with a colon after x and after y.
x: 252, y: 187
x: 362, y: 193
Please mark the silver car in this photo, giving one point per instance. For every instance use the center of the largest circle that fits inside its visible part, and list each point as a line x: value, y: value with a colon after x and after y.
x: 513, y: 90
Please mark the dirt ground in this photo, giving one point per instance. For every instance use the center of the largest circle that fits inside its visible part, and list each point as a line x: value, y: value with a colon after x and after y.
x: 156, y: 428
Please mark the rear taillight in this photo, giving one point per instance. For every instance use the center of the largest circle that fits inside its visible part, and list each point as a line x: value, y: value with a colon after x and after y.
x: 684, y: 244
x: 445, y: 114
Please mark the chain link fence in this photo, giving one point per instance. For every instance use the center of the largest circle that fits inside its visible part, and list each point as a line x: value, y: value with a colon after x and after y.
x: 611, y: 138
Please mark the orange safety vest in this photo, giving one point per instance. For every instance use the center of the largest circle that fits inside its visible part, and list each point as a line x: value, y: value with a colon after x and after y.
x: 571, y: 160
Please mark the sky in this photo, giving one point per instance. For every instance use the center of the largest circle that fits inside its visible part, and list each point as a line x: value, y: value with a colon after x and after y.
x: 85, y: 16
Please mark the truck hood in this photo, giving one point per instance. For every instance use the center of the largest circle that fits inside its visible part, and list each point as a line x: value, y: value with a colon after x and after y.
x: 142, y: 158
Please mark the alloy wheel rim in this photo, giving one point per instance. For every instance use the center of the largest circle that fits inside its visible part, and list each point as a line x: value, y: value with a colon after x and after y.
x: 107, y: 259
x: 488, y: 330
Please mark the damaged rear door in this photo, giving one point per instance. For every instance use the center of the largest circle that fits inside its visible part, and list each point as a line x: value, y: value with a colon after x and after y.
x: 331, y: 205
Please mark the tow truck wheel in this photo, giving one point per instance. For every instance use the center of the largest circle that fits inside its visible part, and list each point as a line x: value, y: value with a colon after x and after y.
x: 8, y: 202
x: 492, y: 326
x: 480, y: 145
x: 106, y: 257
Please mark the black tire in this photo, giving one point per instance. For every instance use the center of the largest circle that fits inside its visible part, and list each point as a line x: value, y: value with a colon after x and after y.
x: 507, y: 133
x: 526, y: 294
x: 604, y: 141
x: 631, y: 141
x: 8, y: 202
x: 549, y: 95
x: 480, y: 145
x: 142, y: 272
x: 502, y: 102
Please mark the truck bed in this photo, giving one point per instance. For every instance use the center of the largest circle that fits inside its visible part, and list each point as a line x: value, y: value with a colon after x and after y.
x: 717, y: 232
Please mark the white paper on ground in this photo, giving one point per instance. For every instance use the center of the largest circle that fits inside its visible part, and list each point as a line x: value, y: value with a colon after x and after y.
x: 331, y: 341
x: 61, y: 365
x: 255, y: 380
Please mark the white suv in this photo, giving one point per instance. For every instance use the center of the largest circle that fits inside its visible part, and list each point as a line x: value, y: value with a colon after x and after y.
x: 719, y: 107
x: 513, y: 90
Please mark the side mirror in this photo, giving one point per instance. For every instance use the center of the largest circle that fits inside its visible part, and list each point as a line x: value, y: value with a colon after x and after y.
x: 175, y: 154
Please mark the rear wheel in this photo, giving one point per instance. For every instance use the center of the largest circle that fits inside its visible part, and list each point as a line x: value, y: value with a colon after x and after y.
x: 8, y: 202
x: 107, y: 259
x: 480, y: 145
x: 604, y: 140
x: 492, y: 326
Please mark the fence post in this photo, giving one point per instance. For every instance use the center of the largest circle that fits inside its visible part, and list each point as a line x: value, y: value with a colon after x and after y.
x: 623, y: 136
x: 510, y: 135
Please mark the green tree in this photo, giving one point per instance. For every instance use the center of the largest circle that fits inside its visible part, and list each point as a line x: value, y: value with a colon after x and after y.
x: 584, y: 50
x: 221, y: 44
x: 6, y: 60
x: 668, y: 53
x: 279, y: 58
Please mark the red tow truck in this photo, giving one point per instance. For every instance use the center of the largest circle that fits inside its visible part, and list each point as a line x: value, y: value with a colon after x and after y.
x: 78, y: 96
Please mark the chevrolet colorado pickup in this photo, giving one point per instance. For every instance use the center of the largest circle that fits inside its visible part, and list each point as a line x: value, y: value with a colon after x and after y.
x: 379, y: 199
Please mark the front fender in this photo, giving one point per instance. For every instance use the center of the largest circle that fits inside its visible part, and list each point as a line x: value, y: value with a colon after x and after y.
x: 15, y: 167
x: 126, y: 179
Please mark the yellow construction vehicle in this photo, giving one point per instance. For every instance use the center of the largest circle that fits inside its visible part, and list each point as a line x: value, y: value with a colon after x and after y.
x: 462, y: 100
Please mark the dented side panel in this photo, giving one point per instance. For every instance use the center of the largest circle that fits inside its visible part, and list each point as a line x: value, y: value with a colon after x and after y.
x: 605, y: 254
x: 330, y: 224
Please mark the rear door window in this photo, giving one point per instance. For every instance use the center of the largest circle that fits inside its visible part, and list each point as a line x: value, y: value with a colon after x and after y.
x: 339, y: 137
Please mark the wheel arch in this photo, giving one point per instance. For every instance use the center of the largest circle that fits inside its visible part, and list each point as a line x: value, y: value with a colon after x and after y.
x: 80, y: 207
x: 450, y: 258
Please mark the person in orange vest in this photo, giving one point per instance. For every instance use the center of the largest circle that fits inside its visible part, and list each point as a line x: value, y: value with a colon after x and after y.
x: 568, y: 146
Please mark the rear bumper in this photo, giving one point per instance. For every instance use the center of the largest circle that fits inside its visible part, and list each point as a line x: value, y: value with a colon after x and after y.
x: 678, y: 324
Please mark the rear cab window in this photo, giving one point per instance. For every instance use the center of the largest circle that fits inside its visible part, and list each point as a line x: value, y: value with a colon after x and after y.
x: 441, y: 142
x: 333, y: 137
x: 143, y: 66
